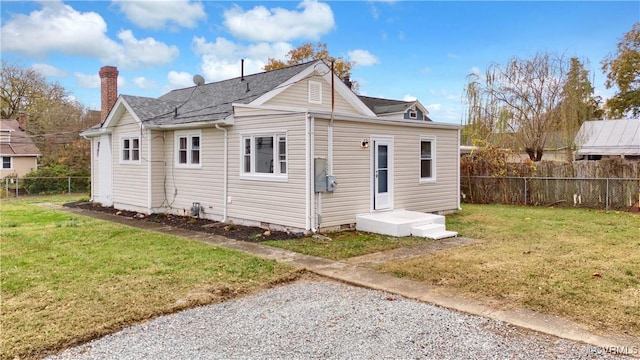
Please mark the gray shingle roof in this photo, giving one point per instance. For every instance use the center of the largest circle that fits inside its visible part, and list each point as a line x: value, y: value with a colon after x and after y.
x: 385, y: 106
x: 209, y: 102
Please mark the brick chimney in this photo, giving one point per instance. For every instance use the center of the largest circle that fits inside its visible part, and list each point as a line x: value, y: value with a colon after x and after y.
x: 22, y: 121
x: 108, y: 90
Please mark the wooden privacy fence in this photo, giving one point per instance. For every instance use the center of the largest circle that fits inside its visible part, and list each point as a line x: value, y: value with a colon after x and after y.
x: 606, y: 184
x: 598, y: 193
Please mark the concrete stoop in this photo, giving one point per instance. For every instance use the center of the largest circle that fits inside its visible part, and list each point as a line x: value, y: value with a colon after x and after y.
x: 404, y: 223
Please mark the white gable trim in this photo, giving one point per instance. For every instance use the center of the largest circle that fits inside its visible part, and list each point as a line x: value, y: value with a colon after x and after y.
x: 117, y: 111
x: 320, y: 68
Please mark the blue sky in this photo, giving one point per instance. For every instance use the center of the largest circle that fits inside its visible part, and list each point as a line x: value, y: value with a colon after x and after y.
x: 402, y: 49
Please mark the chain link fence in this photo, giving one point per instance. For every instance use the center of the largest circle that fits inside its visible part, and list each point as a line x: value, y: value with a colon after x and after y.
x: 596, y: 193
x: 28, y: 186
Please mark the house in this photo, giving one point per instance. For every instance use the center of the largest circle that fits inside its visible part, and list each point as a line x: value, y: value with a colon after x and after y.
x: 289, y: 149
x: 608, y: 139
x: 18, y: 152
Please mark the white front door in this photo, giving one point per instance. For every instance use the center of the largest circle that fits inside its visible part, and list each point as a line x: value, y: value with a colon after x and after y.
x: 382, y: 173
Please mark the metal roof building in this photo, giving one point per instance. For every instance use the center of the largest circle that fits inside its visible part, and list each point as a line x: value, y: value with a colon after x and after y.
x: 609, y: 138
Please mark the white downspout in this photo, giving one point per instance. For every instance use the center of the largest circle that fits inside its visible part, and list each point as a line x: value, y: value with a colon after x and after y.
x: 149, y: 172
x: 225, y: 168
x: 309, y: 218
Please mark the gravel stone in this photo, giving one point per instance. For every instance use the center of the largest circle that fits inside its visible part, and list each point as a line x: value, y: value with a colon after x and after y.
x: 327, y: 320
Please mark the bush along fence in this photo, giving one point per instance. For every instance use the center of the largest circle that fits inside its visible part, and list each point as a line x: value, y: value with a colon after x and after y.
x: 14, y: 186
x: 612, y: 184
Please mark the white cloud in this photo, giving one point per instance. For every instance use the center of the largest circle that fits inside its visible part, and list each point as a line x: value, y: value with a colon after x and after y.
x: 452, y: 56
x: 148, y: 51
x: 179, y: 80
x: 157, y: 14
x: 445, y: 94
x: 92, y: 81
x: 57, y: 27
x: 277, y: 24
x: 88, y: 81
x: 362, y: 57
x: 221, y: 59
x: 409, y: 97
x: 433, y: 107
x: 144, y: 83
x: 48, y: 70
x: 60, y: 28
x: 476, y: 70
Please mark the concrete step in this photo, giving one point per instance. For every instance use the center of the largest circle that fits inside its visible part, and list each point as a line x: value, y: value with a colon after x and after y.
x: 432, y: 231
x: 395, y: 223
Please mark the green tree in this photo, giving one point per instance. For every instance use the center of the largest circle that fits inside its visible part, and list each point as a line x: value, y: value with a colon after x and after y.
x: 54, y: 119
x: 623, y: 71
x: 517, y: 104
x: 308, y: 52
x: 577, y: 105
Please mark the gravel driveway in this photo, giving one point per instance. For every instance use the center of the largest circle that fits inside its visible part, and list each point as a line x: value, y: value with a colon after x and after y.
x: 327, y: 320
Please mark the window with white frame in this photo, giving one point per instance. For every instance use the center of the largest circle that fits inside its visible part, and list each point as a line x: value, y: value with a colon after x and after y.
x: 427, y: 158
x: 6, y: 162
x: 188, y: 148
x: 130, y: 149
x: 264, y: 154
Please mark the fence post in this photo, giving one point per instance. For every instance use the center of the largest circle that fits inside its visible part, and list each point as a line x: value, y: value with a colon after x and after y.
x: 69, y: 186
x: 6, y: 186
x: 607, y: 197
x: 17, y: 186
x: 525, y: 191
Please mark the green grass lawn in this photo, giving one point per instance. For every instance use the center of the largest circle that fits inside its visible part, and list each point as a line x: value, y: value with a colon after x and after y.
x: 577, y: 263
x: 66, y: 279
x: 346, y: 244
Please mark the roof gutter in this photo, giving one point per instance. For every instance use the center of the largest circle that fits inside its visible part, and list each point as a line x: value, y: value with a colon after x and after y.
x: 193, y: 125
x: 370, y: 120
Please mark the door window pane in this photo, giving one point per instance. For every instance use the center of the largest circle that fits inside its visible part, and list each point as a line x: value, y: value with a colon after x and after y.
x: 382, y: 181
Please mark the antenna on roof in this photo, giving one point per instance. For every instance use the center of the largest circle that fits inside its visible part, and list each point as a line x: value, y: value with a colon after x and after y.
x: 198, y: 80
x: 241, y: 69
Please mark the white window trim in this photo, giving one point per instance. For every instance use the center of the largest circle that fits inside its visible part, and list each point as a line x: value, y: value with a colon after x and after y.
x: 129, y: 137
x: 431, y: 179
x: 10, y: 163
x: 413, y: 114
x: 189, y: 134
x: 252, y: 175
x: 318, y: 85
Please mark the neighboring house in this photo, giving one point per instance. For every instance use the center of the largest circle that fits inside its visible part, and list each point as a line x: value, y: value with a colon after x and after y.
x: 291, y: 149
x: 18, y: 152
x: 608, y: 139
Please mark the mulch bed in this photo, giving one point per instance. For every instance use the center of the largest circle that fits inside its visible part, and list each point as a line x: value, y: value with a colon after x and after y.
x: 232, y: 231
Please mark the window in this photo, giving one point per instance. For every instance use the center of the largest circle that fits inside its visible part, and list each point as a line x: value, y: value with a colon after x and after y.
x: 413, y: 114
x: 6, y: 162
x: 315, y: 92
x: 427, y: 160
x: 130, y: 149
x: 188, y: 148
x: 264, y: 155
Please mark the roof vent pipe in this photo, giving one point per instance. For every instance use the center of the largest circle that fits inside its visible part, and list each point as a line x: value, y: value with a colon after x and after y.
x: 175, y: 113
x: 242, y: 70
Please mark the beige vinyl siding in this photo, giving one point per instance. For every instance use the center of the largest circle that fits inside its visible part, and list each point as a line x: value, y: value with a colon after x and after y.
x: 297, y: 96
x: 280, y: 203
x: 352, y: 167
x: 204, y: 184
x: 129, y: 180
x: 20, y: 165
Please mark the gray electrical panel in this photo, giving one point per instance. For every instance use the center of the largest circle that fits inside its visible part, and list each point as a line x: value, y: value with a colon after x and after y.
x: 320, y: 174
x: 331, y: 183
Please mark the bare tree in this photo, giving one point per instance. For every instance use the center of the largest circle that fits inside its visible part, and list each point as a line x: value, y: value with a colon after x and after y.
x: 517, y: 102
